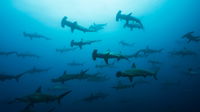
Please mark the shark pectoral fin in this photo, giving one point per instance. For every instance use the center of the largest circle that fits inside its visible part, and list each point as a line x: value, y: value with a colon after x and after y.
x: 131, y: 79
x: 18, y: 76
x: 106, y: 60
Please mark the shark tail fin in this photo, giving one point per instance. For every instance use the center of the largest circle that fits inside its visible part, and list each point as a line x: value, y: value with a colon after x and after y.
x: 94, y: 54
x: 62, y: 95
x: 155, y: 74
x: 17, y: 77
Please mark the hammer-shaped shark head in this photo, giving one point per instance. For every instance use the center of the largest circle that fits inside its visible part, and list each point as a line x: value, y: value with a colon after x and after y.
x: 94, y: 54
x: 118, y: 15
x: 63, y: 21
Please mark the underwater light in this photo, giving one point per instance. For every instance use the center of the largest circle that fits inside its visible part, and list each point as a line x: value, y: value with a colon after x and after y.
x: 83, y: 10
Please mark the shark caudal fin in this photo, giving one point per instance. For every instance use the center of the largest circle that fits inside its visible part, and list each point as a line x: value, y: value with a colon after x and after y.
x: 62, y: 95
x: 155, y: 74
x: 17, y: 77
x: 106, y: 60
x: 94, y: 54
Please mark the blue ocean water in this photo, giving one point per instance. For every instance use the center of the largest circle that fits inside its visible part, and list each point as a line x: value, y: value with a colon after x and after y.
x: 165, y: 22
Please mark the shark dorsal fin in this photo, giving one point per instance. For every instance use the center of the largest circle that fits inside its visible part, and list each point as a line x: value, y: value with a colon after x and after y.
x: 83, y: 71
x: 133, y: 65
x: 39, y: 89
x: 106, y: 60
x: 130, y: 14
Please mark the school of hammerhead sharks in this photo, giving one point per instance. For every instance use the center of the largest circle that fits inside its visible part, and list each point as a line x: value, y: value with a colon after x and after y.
x: 131, y: 22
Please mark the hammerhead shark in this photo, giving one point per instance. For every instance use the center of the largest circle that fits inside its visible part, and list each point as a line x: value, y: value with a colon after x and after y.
x: 128, y: 18
x: 148, y: 51
x: 132, y: 26
x: 74, y: 25
x: 134, y: 72
x: 7, y: 53
x: 35, y: 35
x: 183, y: 52
x: 23, y: 55
x: 191, y: 37
x: 63, y: 50
x: 123, y: 43
x: 4, y: 77
x: 82, y: 43
x: 107, y: 56
x: 35, y: 70
x: 66, y: 76
x: 39, y: 97
x: 97, y: 27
